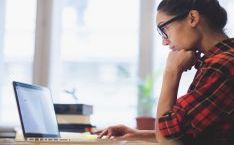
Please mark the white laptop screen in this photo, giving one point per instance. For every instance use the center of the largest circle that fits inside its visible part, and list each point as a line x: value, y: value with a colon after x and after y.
x: 36, y: 110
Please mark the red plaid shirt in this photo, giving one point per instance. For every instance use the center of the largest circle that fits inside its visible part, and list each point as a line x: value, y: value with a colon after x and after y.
x: 205, y: 115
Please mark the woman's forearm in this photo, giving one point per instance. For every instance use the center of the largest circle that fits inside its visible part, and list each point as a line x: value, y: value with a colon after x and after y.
x: 169, y: 91
x: 168, y: 96
x: 148, y: 135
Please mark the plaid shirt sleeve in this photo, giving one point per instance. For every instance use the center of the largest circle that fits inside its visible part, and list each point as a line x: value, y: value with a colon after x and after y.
x: 210, y: 99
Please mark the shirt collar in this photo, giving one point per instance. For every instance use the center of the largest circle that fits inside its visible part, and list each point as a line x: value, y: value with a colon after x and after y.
x: 218, y: 48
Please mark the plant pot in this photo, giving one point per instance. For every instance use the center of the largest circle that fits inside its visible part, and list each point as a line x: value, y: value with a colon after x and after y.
x: 145, y: 123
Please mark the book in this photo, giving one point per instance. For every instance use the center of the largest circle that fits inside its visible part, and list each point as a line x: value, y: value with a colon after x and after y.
x: 7, y: 132
x: 82, y: 109
x: 72, y: 119
x: 75, y: 127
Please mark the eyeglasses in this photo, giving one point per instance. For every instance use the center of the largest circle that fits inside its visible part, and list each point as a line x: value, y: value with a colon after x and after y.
x: 161, y: 27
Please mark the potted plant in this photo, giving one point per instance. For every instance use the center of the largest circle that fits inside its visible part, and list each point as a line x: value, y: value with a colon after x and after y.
x: 145, y: 104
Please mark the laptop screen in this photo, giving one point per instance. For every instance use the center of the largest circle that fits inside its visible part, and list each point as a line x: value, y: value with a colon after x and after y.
x: 36, y: 110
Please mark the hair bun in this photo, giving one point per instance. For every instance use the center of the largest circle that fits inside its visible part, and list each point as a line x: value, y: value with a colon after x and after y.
x: 215, y: 13
x: 221, y: 17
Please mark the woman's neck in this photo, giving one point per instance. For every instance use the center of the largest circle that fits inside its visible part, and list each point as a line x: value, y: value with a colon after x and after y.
x: 210, y: 40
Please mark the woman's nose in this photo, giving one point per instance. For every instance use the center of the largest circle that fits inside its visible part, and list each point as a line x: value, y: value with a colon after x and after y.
x: 165, y: 41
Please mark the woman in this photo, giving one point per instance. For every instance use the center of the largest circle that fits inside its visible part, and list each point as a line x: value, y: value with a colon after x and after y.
x: 205, y: 114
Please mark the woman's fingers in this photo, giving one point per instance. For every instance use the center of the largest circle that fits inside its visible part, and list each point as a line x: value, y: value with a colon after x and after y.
x: 104, y: 132
x: 109, y: 134
x: 112, y: 131
x: 97, y: 132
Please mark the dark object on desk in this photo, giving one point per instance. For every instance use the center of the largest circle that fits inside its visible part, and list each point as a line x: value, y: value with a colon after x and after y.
x: 6, y: 132
x: 75, y: 127
x: 81, y: 109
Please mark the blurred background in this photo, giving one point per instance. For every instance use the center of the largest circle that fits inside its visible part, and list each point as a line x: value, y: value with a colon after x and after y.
x: 86, y: 51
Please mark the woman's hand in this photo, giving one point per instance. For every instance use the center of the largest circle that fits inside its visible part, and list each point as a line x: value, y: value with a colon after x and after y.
x: 125, y: 133
x: 118, y: 131
x: 181, y: 60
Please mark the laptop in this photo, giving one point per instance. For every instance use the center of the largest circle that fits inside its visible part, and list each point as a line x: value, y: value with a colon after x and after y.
x: 37, y: 115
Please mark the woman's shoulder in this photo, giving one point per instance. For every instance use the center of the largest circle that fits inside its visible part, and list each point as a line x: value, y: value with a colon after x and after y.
x: 222, y: 62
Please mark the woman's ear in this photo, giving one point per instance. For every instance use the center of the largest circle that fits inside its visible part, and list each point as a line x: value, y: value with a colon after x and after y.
x: 194, y: 18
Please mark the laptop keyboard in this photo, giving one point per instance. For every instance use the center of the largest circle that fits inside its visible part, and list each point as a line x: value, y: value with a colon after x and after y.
x: 48, y: 140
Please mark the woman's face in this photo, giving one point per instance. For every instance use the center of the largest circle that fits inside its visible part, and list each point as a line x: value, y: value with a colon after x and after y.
x: 180, y: 34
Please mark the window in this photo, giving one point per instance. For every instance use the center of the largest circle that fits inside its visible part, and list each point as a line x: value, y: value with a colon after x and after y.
x: 99, y: 55
x: 18, y: 44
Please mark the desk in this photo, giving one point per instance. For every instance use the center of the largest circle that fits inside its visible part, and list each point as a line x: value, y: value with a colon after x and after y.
x: 106, y: 142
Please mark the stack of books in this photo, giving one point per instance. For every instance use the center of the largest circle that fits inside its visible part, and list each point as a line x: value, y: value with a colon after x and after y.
x: 7, y: 132
x: 74, y: 117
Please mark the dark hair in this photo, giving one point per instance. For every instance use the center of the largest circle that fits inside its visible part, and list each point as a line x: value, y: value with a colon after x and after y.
x: 215, y: 14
